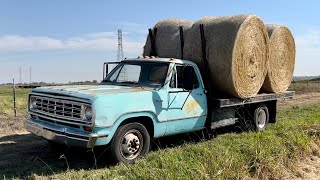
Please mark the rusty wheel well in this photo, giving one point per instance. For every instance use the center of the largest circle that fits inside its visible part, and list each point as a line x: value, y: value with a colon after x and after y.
x: 144, y: 120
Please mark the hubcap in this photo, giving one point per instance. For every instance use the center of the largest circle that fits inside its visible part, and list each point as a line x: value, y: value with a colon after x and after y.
x: 262, y: 118
x: 130, y: 147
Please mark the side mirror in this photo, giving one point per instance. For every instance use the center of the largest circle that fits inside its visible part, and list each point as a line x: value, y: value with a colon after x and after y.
x: 188, y: 78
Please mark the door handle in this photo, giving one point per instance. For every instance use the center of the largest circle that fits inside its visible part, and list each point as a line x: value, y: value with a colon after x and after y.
x: 159, y: 100
x: 200, y: 94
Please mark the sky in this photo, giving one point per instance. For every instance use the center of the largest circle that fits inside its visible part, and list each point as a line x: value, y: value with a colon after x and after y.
x: 66, y: 41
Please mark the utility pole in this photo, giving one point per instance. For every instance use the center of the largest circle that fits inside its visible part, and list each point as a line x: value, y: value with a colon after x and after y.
x: 123, y: 72
x: 30, y: 76
x: 20, y: 80
x: 14, y: 98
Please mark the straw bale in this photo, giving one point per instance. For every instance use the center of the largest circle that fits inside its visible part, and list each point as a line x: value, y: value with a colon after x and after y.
x: 237, y: 52
x: 167, y: 42
x: 281, y: 62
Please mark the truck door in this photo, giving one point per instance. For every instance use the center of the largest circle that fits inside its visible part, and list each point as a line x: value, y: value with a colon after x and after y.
x: 186, y: 109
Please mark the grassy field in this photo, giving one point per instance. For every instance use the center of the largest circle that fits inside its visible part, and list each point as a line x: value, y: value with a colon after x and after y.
x: 6, y: 101
x: 9, y: 123
x: 230, y: 155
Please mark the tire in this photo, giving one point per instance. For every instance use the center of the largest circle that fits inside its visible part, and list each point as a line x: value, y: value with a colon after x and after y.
x: 261, y: 118
x: 130, y: 142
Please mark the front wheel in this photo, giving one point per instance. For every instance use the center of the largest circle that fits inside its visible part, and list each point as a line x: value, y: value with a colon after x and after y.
x: 261, y: 118
x: 130, y: 142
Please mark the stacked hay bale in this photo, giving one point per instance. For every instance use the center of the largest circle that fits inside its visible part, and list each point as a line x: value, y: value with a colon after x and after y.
x: 237, y: 52
x: 167, y: 38
x: 281, y: 62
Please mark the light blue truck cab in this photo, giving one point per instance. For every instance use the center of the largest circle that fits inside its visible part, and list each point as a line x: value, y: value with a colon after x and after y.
x: 140, y: 99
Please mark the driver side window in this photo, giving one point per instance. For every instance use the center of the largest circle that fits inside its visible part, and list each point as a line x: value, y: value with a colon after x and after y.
x: 177, y: 78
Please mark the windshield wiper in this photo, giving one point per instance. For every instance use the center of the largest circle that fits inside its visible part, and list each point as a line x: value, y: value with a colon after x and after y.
x: 107, y: 80
x: 129, y: 82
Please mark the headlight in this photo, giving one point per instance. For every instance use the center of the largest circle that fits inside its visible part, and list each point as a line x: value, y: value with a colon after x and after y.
x: 33, y: 103
x: 87, y: 112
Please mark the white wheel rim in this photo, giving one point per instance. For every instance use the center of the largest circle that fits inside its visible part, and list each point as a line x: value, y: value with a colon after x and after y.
x: 261, y: 119
x: 131, y: 144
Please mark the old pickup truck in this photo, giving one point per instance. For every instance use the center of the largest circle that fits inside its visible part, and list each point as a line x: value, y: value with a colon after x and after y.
x: 141, y: 99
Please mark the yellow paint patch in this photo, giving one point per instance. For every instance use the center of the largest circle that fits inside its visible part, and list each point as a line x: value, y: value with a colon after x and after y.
x: 192, y: 107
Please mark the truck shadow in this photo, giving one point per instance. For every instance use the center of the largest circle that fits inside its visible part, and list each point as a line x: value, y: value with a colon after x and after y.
x: 23, y: 155
x: 194, y: 137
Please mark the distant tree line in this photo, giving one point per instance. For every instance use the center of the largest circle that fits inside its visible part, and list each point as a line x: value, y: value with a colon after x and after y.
x: 46, y: 83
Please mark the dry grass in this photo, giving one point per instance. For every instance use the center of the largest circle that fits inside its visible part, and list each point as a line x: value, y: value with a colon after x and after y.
x: 302, y: 87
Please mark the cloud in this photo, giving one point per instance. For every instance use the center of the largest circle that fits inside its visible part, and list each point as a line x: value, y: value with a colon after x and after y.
x: 19, y: 43
x: 100, y: 41
x: 308, y: 44
x: 308, y: 53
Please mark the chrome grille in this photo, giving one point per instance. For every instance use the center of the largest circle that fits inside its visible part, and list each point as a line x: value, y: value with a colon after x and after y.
x: 58, y: 108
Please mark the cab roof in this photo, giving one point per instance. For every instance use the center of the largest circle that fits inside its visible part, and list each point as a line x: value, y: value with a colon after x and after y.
x: 157, y: 59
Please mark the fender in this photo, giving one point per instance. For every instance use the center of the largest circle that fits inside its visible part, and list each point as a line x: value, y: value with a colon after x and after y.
x: 159, y: 126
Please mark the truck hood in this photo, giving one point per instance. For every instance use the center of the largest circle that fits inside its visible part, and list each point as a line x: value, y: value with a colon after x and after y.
x: 89, y: 91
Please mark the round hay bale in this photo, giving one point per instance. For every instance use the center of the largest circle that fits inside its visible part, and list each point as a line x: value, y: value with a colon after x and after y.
x: 167, y: 42
x: 237, y: 53
x: 281, y: 62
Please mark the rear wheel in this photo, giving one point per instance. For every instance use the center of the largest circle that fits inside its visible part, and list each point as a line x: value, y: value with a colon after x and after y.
x: 130, y: 142
x: 261, y: 118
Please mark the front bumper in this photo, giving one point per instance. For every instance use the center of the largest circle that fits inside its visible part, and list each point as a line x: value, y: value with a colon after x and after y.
x: 62, y: 135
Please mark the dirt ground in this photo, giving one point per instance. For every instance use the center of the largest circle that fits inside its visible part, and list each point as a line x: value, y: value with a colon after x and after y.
x: 19, y: 149
x: 308, y: 168
x: 300, y: 100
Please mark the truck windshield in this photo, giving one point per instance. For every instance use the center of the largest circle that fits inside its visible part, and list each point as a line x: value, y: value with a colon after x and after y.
x: 138, y: 73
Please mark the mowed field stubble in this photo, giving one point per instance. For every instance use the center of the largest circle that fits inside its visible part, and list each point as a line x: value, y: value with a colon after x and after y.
x: 280, y: 152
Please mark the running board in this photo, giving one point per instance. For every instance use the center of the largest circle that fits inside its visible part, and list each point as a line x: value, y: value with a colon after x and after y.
x: 223, y: 123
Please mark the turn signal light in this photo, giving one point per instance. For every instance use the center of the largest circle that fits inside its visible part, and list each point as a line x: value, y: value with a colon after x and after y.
x: 100, y: 137
x: 87, y: 129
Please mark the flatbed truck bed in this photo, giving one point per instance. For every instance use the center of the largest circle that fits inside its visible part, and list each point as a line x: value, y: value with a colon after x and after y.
x: 259, y: 98
x: 228, y: 111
